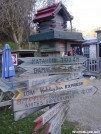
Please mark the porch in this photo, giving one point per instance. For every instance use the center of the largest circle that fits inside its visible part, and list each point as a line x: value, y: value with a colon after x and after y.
x: 93, y: 67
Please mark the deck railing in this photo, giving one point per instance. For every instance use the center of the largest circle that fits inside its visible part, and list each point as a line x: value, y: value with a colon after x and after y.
x: 92, y: 66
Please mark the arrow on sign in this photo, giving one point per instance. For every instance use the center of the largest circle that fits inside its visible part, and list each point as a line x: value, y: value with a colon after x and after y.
x: 49, y: 114
x: 52, y: 88
x: 19, y: 94
x: 36, y: 101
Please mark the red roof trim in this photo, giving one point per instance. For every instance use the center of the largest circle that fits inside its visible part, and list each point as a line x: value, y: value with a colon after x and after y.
x: 50, y: 10
x: 46, y: 12
x: 43, y: 16
x: 53, y: 6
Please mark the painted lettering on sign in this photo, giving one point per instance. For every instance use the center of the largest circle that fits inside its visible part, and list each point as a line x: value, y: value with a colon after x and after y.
x: 36, y: 101
x: 74, y: 85
x: 53, y: 69
x: 55, y: 60
x: 40, y: 60
x: 51, y: 88
x: 28, y: 93
x: 52, y: 60
x: 51, y: 79
x: 40, y: 100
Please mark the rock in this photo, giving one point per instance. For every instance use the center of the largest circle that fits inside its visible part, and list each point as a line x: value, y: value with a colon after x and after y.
x: 92, y: 78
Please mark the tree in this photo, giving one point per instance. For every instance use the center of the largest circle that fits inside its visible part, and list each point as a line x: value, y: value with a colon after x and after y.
x: 16, y: 18
x: 44, y: 3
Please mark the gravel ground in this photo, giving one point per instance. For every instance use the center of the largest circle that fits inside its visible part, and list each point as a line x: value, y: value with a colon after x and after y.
x: 87, y: 110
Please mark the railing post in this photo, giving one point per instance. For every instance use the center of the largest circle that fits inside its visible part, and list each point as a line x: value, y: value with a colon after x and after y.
x: 98, y: 40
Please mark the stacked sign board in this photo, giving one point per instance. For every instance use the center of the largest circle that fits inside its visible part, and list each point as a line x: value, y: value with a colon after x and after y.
x: 62, y: 84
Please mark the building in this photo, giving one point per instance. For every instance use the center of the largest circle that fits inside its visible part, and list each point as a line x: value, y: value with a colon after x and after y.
x: 89, y: 47
x: 53, y: 34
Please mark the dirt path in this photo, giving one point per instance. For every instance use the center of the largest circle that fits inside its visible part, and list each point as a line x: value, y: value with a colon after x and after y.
x: 87, y: 110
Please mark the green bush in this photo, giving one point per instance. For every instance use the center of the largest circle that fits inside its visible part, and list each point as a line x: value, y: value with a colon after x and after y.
x: 12, y: 45
x: 1, y: 46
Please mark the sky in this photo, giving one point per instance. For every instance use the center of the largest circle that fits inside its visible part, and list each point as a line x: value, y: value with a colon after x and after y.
x: 87, y: 13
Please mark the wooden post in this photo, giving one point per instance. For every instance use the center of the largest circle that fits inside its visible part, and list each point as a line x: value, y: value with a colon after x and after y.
x: 71, y: 24
x: 98, y: 39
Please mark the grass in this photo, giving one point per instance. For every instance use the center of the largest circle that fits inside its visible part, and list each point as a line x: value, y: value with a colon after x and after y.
x: 26, y: 125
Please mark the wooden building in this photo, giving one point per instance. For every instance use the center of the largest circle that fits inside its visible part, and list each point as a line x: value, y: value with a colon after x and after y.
x: 53, y: 33
x: 92, y: 50
x: 89, y: 47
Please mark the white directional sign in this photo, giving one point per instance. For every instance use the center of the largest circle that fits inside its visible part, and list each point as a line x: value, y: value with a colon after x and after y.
x: 36, y: 101
x: 56, y: 119
x: 53, y: 69
x: 49, y: 114
x: 59, y: 122
x: 69, y: 60
x: 48, y: 80
x: 23, y: 93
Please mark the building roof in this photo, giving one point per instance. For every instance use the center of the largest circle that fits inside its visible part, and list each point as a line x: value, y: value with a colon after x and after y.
x: 88, y: 38
x: 89, y: 42
x: 51, y: 11
x: 55, y: 35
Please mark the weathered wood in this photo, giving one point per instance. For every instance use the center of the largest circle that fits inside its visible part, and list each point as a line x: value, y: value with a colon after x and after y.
x: 32, y: 61
x: 23, y: 93
x: 24, y: 113
x: 49, y: 114
x: 45, y: 81
x: 59, y: 123
x: 59, y: 131
x: 60, y: 117
x: 5, y: 103
x: 6, y: 86
x: 57, y: 118
x: 36, y: 101
x: 3, y: 85
x: 5, y: 98
x: 57, y: 69
x: 1, y: 96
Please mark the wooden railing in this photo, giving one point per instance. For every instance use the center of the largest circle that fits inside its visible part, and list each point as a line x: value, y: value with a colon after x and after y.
x: 100, y: 64
x: 91, y: 65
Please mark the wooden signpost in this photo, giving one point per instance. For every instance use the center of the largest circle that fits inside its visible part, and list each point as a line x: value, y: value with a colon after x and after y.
x: 36, y: 101
x: 24, y: 113
x: 47, y: 80
x: 60, y: 120
x: 5, y: 103
x: 51, y: 88
x: 63, y: 82
x: 53, y: 69
x: 56, y: 119
x: 49, y: 114
x: 59, y: 123
x: 68, y: 60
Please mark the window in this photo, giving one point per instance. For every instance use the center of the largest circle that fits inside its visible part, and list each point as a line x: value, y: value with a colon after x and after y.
x: 86, y: 52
